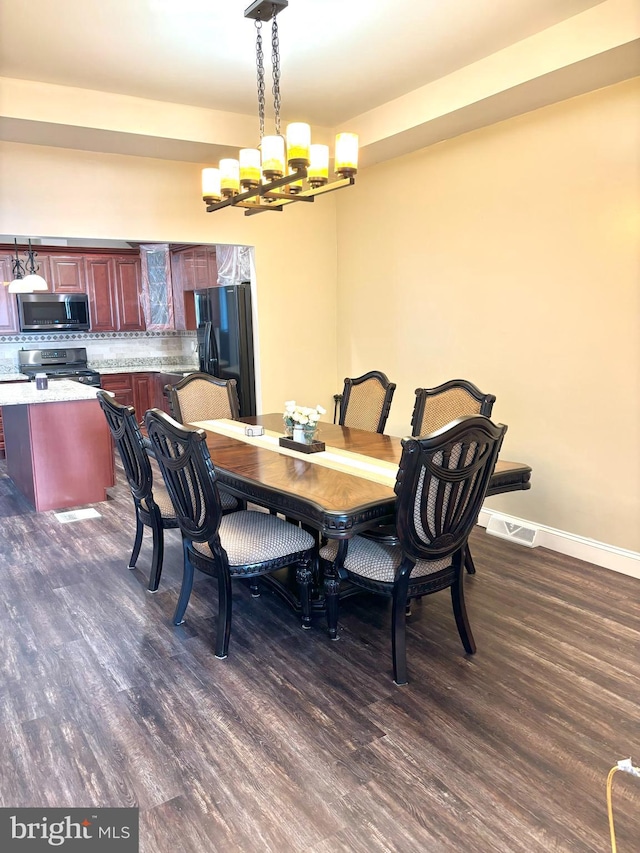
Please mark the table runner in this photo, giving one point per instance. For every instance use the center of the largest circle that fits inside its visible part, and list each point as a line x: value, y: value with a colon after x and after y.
x: 356, y: 464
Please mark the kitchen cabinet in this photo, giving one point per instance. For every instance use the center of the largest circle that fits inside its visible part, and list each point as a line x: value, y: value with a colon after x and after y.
x: 101, y: 293
x: 144, y: 393
x: 156, y: 287
x: 140, y: 390
x: 63, y: 273
x: 113, y: 289
x: 120, y: 385
x: 127, y: 283
x: 192, y: 268
x: 8, y: 302
x: 196, y: 267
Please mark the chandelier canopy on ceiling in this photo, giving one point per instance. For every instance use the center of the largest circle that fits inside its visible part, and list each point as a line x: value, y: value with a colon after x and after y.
x: 283, y: 169
x: 25, y: 275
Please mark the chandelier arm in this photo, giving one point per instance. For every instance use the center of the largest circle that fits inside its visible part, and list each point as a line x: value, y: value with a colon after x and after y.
x: 260, y: 74
x: 275, y: 65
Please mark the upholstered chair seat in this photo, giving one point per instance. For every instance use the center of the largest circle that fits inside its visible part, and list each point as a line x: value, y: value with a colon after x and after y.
x: 251, y: 537
x: 379, y: 561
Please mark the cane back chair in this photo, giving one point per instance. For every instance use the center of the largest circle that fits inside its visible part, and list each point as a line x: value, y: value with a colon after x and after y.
x: 243, y: 544
x: 442, y: 480
x: 202, y: 397
x: 366, y: 401
x: 436, y: 407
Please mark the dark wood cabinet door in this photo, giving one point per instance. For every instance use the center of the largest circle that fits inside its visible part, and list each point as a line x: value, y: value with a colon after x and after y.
x: 120, y: 384
x: 8, y: 301
x: 127, y: 284
x: 103, y: 310
x: 143, y: 393
x: 66, y: 273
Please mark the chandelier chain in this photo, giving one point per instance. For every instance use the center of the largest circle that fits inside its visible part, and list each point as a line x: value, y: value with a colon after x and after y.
x: 260, y: 73
x: 275, y: 64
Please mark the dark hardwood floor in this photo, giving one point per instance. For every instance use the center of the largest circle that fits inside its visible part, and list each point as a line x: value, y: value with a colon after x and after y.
x: 295, y: 743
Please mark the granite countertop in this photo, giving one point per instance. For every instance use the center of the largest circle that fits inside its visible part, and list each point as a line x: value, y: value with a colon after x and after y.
x: 59, y: 391
x: 138, y: 368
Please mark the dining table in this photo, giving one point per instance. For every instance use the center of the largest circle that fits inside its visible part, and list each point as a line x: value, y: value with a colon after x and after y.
x: 344, y: 490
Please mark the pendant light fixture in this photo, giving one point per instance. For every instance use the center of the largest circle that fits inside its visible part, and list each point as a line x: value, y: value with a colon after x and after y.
x: 25, y: 277
x: 283, y: 169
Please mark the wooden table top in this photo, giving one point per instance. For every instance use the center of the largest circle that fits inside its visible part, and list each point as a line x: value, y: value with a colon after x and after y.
x: 338, y: 504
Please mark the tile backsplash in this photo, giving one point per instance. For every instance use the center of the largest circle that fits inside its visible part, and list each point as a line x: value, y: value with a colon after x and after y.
x: 126, y: 350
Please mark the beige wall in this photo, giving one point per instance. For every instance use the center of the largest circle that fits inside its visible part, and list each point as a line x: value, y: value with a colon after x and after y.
x: 511, y: 257
x: 62, y: 193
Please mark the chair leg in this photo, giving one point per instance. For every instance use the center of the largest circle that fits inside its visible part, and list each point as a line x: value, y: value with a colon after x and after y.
x: 158, y: 556
x: 331, y: 589
x: 137, y: 543
x: 398, y: 631
x: 303, y: 577
x: 255, y: 589
x: 468, y: 562
x: 224, y: 614
x: 187, y: 585
x: 460, y: 613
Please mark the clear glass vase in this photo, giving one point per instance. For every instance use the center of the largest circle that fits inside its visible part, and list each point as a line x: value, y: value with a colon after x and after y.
x: 310, y: 431
x: 288, y: 426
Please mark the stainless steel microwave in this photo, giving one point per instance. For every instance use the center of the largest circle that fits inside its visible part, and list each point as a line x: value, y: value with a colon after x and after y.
x: 49, y: 312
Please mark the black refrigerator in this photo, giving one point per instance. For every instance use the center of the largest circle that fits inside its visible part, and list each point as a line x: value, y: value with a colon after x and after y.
x: 225, y: 338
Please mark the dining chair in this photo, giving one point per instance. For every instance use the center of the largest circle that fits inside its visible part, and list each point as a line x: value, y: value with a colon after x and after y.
x: 366, y: 401
x: 441, y: 483
x: 436, y: 407
x: 243, y: 544
x: 152, y: 506
x: 202, y: 397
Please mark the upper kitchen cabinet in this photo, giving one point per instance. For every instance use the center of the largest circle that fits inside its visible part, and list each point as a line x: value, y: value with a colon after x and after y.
x: 192, y: 268
x: 8, y: 302
x: 130, y: 316
x: 157, y: 289
x: 113, y: 288
x: 64, y: 273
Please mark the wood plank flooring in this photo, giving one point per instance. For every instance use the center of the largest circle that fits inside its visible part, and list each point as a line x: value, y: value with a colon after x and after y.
x: 295, y: 743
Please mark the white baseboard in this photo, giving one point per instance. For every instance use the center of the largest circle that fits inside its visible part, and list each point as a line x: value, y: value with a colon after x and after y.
x: 598, y: 553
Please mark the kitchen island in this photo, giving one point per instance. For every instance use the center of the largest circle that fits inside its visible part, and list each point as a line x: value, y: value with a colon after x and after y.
x: 58, y: 446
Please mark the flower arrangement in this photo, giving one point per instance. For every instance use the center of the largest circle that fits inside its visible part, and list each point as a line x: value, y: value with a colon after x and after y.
x: 302, y: 415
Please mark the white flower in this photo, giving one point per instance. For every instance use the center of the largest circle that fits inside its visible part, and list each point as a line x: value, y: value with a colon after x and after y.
x: 302, y: 414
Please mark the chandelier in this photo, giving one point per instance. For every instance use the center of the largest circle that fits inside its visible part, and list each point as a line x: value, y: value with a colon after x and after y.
x: 284, y: 169
x: 25, y: 275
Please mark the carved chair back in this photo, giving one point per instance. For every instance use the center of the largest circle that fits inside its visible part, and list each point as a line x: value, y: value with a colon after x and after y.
x: 366, y: 401
x: 202, y: 397
x: 126, y: 433
x: 436, y: 407
x: 189, y: 475
x: 442, y: 481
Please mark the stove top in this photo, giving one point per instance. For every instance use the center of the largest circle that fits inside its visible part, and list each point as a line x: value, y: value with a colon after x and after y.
x: 63, y: 363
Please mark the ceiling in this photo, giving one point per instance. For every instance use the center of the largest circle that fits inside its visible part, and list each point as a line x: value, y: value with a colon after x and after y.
x: 341, y: 59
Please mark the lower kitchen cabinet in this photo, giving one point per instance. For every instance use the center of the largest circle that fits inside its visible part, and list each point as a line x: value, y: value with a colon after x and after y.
x: 143, y: 391
x: 120, y: 385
